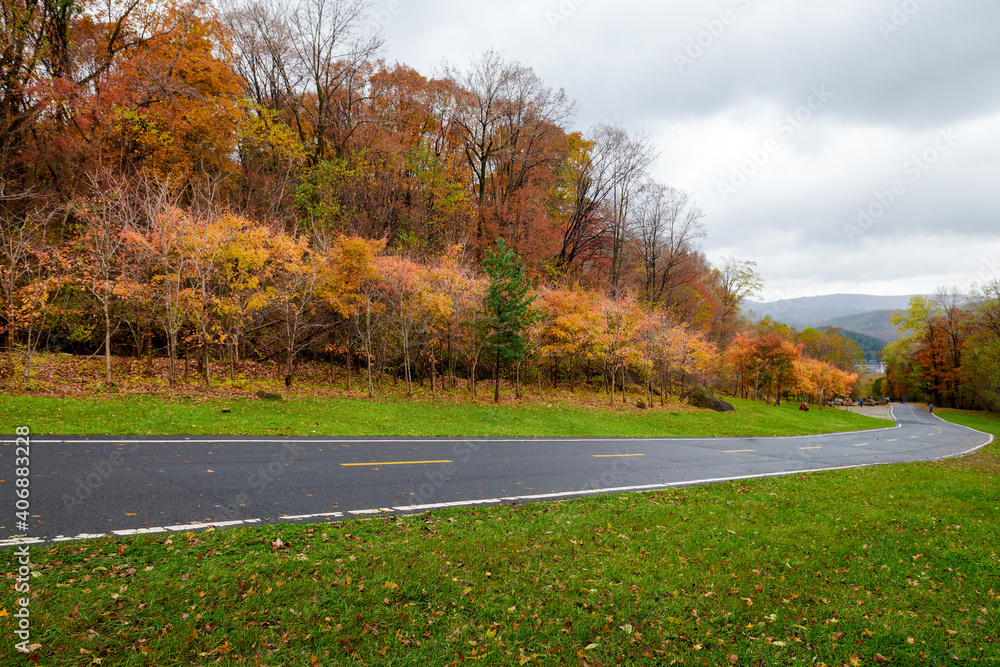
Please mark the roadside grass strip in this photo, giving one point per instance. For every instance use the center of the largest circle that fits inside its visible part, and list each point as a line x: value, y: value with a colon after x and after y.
x: 351, y: 417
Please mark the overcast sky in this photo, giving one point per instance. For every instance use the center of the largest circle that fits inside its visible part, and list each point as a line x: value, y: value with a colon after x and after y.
x: 848, y: 146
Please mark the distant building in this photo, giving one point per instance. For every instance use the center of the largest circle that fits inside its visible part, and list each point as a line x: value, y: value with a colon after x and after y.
x: 872, y: 366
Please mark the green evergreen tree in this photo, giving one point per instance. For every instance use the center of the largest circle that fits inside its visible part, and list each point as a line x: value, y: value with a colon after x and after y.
x: 508, y: 309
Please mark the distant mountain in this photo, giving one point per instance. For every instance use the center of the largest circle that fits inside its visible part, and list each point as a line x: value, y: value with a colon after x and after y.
x: 875, y: 324
x: 812, y: 311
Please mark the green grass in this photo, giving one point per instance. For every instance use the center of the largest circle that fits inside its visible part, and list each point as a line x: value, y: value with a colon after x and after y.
x: 896, y: 563
x: 347, y: 417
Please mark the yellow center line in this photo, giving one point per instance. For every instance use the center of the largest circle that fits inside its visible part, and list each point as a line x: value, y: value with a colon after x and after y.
x: 893, y: 440
x: 394, y: 463
x: 738, y: 451
x: 863, y: 444
x: 810, y: 448
x: 613, y: 456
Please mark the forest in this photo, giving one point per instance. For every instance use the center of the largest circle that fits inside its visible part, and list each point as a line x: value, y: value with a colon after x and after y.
x: 949, y: 352
x: 251, y: 182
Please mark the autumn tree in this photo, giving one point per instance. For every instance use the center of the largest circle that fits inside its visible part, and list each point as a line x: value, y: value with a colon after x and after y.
x: 573, y: 326
x: 505, y: 116
x: 734, y: 283
x: 298, y: 275
x: 667, y: 227
x: 31, y: 278
x: 980, y: 371
x: 243, y: 266
x: 620, y: 339
x: 350, y: 288
x: 406, y: 294
x: 99, y: 254
x: 56, y: 57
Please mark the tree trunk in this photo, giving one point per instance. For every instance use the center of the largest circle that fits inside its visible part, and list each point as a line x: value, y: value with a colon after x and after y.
x: 433, y: 377
x: 289, y: 363
x: 614, y: 371
x: 205, y: 355
x: 172, y: 354
x: 496, y: 377
x: 107, y: 346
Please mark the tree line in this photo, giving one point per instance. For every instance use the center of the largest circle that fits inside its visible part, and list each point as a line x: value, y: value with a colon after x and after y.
x: 949, y: 350
x: 251, y: 181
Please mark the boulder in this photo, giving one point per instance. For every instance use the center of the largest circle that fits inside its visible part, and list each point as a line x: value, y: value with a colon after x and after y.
x: 700, y: 397
x: 269, y: 396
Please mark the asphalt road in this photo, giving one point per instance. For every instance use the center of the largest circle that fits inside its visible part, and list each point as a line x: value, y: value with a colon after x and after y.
x: 88, y: 486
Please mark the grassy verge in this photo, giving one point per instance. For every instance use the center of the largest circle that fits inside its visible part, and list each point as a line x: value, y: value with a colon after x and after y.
x: 347, y: 417
x: 986, y: 460
x: 888, y: 565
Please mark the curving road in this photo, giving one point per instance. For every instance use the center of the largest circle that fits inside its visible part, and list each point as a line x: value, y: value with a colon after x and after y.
x: 90, y: 486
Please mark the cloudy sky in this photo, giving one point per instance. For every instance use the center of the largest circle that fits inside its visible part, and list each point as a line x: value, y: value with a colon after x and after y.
x: 849, y: 146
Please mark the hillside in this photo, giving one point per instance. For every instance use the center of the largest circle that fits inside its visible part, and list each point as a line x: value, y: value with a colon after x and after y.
x: 876, y: 324
x: 870, y: 345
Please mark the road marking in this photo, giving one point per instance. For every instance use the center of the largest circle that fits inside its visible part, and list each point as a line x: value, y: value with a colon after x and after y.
x: 613, y: 456
x: 863, y: 444
x: 393, y: 463
x: 810, y: 448
x: 739, y: 451
x: 893, y: 440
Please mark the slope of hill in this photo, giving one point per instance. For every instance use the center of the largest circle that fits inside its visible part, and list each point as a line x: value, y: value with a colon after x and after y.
x: 870, y: 345
x: 876, y: 324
